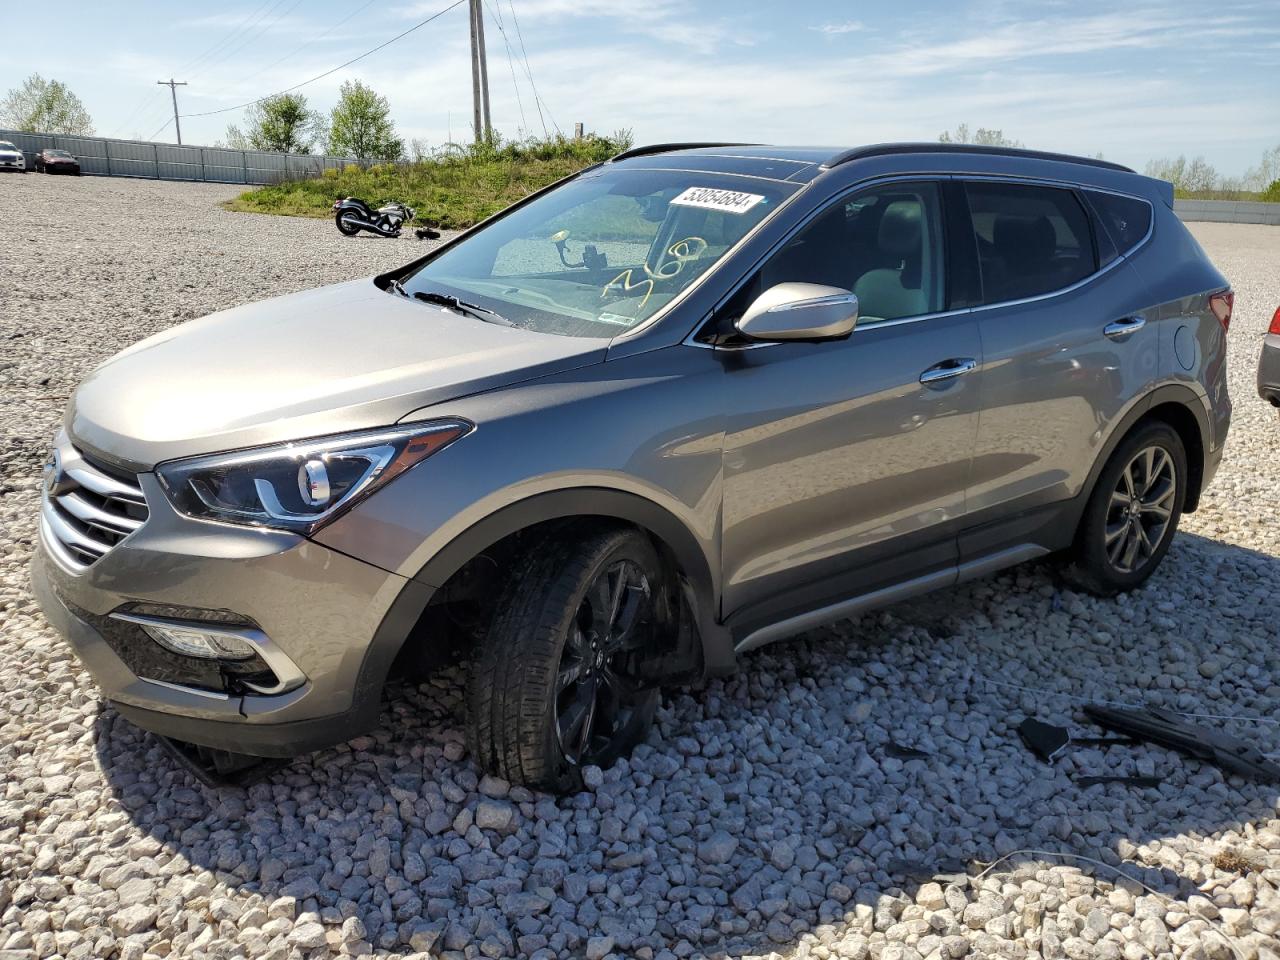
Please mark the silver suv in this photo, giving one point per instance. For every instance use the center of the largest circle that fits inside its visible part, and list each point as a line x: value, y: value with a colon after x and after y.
x: 680, y: 405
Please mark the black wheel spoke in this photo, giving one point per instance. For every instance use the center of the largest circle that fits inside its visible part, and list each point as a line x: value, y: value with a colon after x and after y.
x: 625, y: 634
x: 567, y: 675
x: 594, y: 694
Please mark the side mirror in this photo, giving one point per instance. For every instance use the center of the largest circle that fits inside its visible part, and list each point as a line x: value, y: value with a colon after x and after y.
x: 800, y: 311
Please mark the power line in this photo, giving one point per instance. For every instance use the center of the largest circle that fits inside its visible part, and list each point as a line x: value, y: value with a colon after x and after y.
x: 252, y: 36
x: 321, y: 76
x: 161, y: 128
x: 145, y: 104
x: 246, y: 25
x: 537, y: 99
x: 511, y: 64
x: 313, y: 41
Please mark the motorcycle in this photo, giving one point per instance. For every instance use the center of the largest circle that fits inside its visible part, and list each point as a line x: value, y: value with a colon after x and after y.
x: 353, y: 215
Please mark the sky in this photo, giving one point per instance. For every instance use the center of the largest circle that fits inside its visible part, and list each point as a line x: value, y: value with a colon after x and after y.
x: 1130, y: 80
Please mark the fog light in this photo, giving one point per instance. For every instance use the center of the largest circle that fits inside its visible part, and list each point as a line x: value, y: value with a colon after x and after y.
x: 193, y: 642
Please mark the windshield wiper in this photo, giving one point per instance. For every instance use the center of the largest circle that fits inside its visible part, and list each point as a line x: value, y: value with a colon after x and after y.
x: 395, y: 286
x: 461, y: 306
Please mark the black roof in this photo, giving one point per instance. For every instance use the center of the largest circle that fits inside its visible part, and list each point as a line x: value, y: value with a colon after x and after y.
x: 810, y: 159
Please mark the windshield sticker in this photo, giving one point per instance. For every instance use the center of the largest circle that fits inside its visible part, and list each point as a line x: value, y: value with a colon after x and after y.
x: 709, y: 198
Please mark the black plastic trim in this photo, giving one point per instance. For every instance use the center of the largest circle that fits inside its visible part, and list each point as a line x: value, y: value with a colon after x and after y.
x: 653, y: 148
x: 557, y: 505
x: 964, y: 279
x: 894, y: 149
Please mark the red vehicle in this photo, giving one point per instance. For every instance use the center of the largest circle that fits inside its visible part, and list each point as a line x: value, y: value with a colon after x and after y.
x: 56, y: 161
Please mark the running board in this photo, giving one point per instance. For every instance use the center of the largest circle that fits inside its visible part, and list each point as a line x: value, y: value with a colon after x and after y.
x: 888, y: 595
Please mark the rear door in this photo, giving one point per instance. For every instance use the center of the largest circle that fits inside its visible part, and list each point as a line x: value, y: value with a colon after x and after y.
x: 1067, y: 344
x: 843, y: 471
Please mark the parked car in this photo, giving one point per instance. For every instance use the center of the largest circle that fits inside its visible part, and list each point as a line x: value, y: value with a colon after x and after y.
x: 11, y: 158
x: 1269, y: 363
x: 683, y: 404
x: 56, y: 161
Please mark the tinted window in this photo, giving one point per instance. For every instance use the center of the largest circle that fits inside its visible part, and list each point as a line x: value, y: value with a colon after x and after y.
x: 1125, y: 219
x: 1031, y: 240
x: 885, y: 245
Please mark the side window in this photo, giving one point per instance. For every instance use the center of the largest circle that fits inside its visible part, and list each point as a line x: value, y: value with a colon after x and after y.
x: 884, y: 244
x: 1031, y: 240
x: 1125, y: 219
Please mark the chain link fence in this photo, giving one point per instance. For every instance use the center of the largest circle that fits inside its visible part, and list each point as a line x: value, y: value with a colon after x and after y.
x: 104, y: 157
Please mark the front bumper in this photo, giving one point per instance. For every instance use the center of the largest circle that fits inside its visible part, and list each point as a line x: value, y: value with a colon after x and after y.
x: 338, y: 619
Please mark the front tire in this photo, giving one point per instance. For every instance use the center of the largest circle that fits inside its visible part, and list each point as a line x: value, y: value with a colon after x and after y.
x: 1132, y: 513
x: 554, y: 687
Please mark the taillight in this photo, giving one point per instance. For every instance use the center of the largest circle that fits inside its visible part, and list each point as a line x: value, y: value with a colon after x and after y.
x: 1275, y: 322
x: 1221, y: 304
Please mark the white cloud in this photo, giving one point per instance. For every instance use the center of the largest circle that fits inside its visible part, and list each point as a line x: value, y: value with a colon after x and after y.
x: 604, y: 21
x: 844, y: 26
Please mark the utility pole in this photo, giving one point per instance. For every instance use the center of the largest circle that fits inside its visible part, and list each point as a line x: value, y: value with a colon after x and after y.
x: 479, y: 73
x: 173, y: 86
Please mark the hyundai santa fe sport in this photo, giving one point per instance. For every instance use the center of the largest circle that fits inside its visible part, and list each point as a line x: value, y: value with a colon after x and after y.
x: 680, y: 405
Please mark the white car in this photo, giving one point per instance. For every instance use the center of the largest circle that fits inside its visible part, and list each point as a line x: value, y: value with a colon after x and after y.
x: 11, y: 158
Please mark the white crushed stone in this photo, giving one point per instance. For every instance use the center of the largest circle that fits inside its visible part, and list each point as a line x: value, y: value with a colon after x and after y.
x: 763, y: 817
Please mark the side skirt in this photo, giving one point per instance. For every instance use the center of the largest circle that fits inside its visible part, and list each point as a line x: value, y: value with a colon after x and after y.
x: 978, y: 567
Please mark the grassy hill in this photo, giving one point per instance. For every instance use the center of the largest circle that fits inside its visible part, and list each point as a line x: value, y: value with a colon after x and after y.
x: 455, y: 189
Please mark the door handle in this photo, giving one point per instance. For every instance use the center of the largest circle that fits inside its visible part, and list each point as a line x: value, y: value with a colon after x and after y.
x: 948, y: 369
x: 1124, y: 327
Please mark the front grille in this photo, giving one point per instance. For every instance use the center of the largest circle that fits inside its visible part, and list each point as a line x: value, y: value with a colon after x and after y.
x: 88, y: 508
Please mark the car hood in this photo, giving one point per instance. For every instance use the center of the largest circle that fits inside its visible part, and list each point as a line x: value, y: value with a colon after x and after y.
x: 339, y: 358
x: 10, y: 153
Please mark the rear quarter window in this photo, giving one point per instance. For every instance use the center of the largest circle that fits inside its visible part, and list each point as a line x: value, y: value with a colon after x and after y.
x: 1031, y: 240
x: 1126, y: 219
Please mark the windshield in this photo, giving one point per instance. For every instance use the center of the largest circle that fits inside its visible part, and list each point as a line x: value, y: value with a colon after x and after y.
x: 57, y: 153
x: 604, y: 252
x: 6, y: 145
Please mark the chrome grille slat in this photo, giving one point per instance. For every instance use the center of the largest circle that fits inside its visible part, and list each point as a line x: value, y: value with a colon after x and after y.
x: 93, y: 516
x: 69, y: 534
x: 86, y: 512
x: 104, y: 485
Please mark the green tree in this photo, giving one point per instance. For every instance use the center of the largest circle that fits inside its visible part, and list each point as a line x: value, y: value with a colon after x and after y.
x: 282, y: 123
x: 1196, y: 176
x: 983, y: 136
x: 1261, y: 177
x: 360, y: 125
x: 45, y: 106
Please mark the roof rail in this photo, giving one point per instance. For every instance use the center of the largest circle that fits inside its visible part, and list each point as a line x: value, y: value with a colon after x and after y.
x: 666, y: 147
x: 889, y: 149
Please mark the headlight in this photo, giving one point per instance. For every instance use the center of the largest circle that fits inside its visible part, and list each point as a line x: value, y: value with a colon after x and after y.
x: 301, y: 486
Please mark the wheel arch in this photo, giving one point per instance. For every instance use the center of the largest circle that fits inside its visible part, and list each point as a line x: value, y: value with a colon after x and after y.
x: 1181, y: 408
x: 669, y: 533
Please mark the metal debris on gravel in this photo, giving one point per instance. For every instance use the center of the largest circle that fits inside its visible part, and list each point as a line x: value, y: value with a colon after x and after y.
x: 767, y: 815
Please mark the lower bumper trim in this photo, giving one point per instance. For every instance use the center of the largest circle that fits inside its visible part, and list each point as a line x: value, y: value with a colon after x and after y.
x: 279, y: 740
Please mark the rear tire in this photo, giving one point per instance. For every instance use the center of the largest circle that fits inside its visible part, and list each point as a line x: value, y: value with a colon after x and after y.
x: 1132, y: 514
x: 553, y: 689
x: 346, y: 229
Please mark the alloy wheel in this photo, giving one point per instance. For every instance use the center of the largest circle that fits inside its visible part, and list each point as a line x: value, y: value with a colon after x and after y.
x: 595, y: 694
x: 1141, y: 509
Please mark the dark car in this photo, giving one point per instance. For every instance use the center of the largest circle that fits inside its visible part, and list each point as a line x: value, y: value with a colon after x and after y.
x: 56, y: 161
x: 1269, y: 364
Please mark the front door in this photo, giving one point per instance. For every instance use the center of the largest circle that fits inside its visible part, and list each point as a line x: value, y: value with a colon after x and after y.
x: 846, y: 462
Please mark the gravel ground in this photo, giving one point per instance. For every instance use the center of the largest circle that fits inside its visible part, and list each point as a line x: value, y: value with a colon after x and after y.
x: 770, y: 813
